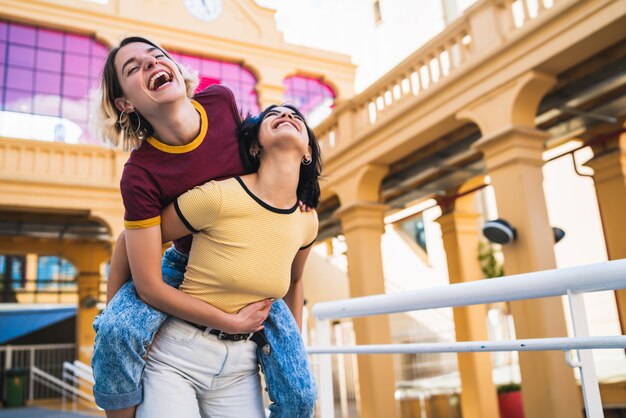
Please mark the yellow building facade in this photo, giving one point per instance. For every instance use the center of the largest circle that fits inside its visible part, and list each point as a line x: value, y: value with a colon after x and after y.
x: 478, y: 104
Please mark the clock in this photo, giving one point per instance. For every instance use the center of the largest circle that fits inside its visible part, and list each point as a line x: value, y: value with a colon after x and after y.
x: 207, y: 10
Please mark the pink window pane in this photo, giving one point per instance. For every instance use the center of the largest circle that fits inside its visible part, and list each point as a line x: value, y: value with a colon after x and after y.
x: 76, y: 87
x: 206, y: 82
x: 17, y: 101
x: 49, y: 60
x: 248, y: 78
x: 47, y: 105
x: 211, y: 68
x: 76, y: 64
x: 191, y: 63
x: 20, y: 78
x: 308, y: 94
x: 3, y: 49
x: 3, y: 30
x: 22, y: 55
x: 48, y: 83
x: 1, y: 79
x: 22, y: 34
x: 99, y: 51
x: 77, y: 43
x: 96, y: 65
x: 231, y: 72
x: 50, y: 39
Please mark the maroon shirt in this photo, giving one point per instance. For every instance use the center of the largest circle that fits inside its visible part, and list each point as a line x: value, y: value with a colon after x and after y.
x: 156, y: 173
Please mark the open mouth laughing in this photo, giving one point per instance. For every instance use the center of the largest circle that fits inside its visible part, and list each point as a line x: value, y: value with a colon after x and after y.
x: 158, y: 80
x: 279, y: 122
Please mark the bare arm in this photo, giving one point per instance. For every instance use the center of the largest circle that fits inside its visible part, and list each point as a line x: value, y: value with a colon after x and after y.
x: 295, y: 296
x: 144, y: 254
x: 119, y: 269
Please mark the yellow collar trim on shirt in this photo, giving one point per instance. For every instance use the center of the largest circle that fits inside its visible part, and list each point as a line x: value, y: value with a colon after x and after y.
x: 179, y: 149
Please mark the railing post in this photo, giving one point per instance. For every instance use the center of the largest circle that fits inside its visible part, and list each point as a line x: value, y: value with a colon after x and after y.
x: 326, y: 396
x: 9, y: 358
x: 588, y: 377
x: 31, y: 382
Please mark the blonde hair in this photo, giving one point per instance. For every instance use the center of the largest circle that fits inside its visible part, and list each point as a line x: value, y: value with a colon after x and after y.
x: 117, y: 128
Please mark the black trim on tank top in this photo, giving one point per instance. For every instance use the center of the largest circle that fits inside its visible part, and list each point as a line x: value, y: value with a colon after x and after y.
x: 182, y: 217
x: 262, y: 203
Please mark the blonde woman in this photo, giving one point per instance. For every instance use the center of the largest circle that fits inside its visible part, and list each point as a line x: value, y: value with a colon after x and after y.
x: 178, y: 141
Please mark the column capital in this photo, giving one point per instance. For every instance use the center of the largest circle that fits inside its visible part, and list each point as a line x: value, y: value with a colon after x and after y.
x: 459, y: 222
x: 513, y: 144
x: 362, y: 215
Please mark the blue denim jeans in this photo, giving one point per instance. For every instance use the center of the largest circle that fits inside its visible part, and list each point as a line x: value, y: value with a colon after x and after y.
x: 127, y: 326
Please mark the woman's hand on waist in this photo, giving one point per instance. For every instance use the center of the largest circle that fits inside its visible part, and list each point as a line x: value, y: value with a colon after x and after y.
x: 250, y: 318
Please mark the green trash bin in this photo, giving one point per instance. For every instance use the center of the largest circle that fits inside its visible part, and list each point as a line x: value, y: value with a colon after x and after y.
x: 16, y: 387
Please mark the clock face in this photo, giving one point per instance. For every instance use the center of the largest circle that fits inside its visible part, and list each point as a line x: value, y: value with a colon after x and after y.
x: 206, y: 10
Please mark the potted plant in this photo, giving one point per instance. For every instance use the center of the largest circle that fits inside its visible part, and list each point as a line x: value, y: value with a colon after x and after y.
x: 510, y: 401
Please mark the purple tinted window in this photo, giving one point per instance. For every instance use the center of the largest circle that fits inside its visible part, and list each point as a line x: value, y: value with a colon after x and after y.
x: 309, y: 95
x: 49, y: 72
x: 98, y: 51
x: 49, y: 60
x: 76, y: 64
x: 20, y: 78
x: 3, y: 31
x: 234, y: 76
x: 77, y: 43
x: 20, y: 34
x: 48, y: 83
x: 18, y: 101
x: 50, y: 39
x: 75, y: 87
x: 24, y: 56
x: 95, y: 66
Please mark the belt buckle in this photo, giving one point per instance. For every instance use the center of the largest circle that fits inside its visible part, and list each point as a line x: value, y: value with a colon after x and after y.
x: 222, y: 336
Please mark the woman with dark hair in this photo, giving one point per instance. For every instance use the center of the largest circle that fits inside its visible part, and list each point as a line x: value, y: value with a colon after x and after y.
x: 250, y: 244
x: 178, y: 140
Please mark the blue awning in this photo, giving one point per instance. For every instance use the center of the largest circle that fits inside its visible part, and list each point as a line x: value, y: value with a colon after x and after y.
x: 17, y: 320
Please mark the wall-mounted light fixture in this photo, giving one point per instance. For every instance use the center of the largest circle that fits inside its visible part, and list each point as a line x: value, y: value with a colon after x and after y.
x: 501, y: 232
x: 88, y: 302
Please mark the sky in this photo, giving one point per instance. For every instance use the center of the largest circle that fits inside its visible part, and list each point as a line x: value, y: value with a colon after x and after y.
x: 349, y: 27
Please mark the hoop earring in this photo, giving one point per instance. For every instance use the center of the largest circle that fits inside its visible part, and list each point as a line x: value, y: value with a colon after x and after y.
x: 255, y: 152
x: 138, y: 133
x: 306, y: 160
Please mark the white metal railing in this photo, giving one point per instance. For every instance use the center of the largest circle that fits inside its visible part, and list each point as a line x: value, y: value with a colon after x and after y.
x: 65, y: 389
x: 571, y: 282
x: 81, y: 381
x: 46, y: 357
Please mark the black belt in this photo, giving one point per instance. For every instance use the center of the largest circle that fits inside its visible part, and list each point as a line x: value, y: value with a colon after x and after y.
x: 257, y: 337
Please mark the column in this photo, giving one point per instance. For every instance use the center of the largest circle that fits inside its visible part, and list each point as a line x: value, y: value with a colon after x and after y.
x: 32, y: 261
x: 460, y: 234
x: 362, y: 223
x: 514, y: 162
x: 87, y: 259
x: 609, y: 166
x: 512, y: 149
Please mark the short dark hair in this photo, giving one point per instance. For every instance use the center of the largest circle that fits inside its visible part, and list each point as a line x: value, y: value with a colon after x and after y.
x: 308, y: 185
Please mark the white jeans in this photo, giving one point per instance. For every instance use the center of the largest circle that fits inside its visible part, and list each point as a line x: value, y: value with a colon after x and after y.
x: 192, y: 374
